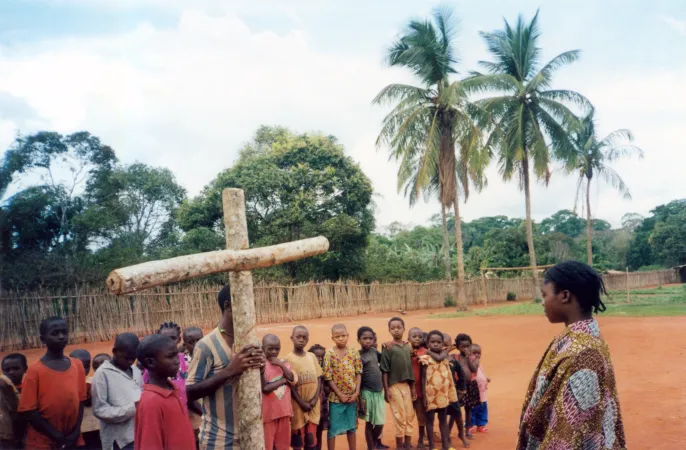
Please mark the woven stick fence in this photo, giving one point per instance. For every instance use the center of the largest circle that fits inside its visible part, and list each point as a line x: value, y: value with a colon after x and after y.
x: 94, y: 315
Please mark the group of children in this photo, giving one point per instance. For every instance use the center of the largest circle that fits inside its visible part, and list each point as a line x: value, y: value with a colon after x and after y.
x: 138, y: 393
x: 309, y: 392
x: 41, y: 406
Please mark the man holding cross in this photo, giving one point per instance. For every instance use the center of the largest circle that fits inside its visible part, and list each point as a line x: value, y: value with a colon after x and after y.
x: 213, y: 375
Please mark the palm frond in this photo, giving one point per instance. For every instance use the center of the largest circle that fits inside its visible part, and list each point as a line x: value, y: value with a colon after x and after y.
x: 396, y: 91
x: 613, y: 179
x: 566, y: 96
x: 544, y: 77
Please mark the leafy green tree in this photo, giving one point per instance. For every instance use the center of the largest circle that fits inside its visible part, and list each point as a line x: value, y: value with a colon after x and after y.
x: 428, y: 121
x: 531, y: 119
x: 563, y: 221
x: 296, y: 186
x: 131, y: 205
x: 592, y: 159
x: 668, y: 238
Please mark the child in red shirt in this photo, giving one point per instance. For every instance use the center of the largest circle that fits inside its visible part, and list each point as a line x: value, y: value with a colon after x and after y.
x: 416, y: 338
x: 276, y: 396
x: 53, y: 393
x: 162, y: 422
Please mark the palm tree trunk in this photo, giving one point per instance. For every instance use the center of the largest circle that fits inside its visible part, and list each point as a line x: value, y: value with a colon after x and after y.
x: 529, y: 226
x: 459, y: 285
x: 446, y: 244
x: 589, y: 224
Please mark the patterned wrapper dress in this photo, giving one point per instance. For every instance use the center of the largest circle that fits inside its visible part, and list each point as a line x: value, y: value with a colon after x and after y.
x: 572, y: 400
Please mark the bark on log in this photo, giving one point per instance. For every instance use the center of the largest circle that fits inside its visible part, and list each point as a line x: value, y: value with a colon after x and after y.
x: 156, y: 273
x: 250, y: 427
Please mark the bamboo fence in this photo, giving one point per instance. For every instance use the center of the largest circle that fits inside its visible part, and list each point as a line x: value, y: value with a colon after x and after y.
x: 95, y: 315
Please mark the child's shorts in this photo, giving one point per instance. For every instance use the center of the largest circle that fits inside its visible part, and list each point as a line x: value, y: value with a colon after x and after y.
x: 454, y: 409
x: 376, y: 407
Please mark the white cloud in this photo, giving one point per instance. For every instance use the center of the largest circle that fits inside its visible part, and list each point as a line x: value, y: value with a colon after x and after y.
x: 187, y: 96
x: 678, y: 25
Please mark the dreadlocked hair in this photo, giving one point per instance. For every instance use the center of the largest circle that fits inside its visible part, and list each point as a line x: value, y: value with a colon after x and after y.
x: 172, y: 325
x: 581, y: 280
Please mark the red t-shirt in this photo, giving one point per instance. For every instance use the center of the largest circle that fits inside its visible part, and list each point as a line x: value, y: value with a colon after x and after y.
x: 56, y: 396
x: 161, y: 421
x: 276, y: 404
x: 415, y: 369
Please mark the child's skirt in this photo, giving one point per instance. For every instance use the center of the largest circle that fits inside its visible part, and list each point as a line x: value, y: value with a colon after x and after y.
x: 472, y: 399
x: 342, y: 418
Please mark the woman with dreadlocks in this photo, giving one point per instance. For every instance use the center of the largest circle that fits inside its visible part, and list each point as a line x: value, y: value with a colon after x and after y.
x: 173, y: 331
x: 572, y: 399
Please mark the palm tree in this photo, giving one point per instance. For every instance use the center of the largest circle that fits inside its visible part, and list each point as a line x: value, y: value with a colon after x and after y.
x: 411, y: 183
x: 532, y: 121
x: 429, y: 120
x: 592, y: 159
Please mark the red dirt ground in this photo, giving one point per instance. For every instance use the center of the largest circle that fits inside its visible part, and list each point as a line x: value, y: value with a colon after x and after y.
x: 649, y: 355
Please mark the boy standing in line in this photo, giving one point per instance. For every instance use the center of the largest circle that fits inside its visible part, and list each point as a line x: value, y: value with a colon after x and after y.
x: 12, y: 427
x: 54, y: 392
x: 398, y: 381
x: 117, y: 388
x: 276, y: 396
x: 162, y: 421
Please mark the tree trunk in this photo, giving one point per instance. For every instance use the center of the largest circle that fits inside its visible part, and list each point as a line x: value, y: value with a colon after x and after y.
x: 589, y: 224
x: 250, y: 427
x: 459, y: 284
x: 530, y: 226
x: 446, y: 244
x: 156, y: 273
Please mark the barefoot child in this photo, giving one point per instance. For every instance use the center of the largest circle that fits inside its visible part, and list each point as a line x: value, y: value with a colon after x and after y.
x: 162, y: 421
x: 277, y: 410
x: 343, y: 372
x: 471, y: 397
x: 398, y: 381
x: 455, y: 408
x: 372, y: 388
x: 319, y: 351
x: 54, y: 392
x: 416, y: 338
x: 438, y: 388
x: 305, y: 395
x: 11, y: 426
x: 117, y: 388
x: 480, y: 413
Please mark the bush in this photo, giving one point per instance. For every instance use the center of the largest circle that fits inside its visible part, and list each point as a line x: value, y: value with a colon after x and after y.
x: 511, y: 296
x: 538, y: 300
x: 449, y: 301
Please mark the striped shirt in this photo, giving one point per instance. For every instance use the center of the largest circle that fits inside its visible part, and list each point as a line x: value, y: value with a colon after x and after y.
x: 212, y: 354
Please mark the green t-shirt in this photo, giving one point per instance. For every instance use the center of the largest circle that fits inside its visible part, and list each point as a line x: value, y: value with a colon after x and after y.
x: 396, y: 361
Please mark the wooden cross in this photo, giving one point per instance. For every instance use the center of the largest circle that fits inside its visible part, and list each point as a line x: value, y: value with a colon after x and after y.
x: 238, y: 260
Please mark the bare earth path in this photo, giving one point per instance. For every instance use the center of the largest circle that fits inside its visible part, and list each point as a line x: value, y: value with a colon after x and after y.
x: 649, y: 355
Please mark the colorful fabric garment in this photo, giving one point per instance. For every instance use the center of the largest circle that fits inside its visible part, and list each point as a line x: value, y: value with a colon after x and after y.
x: 277, y: 403
x: 439, y: 386
x: 375, y: 407
x: 572, y: 399
x: 307, y: 368
x: 343, y: 372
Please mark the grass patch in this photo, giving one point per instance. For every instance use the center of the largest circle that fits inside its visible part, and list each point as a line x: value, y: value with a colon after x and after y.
x: 660, y: 301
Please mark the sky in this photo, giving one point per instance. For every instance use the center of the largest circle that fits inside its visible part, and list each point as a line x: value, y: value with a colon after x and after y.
x: 184, y: 84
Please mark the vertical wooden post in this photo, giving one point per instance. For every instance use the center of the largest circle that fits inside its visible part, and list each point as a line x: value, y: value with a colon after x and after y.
x: 484, y: 294
x: 628, y: 300
x: 250, y: 428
